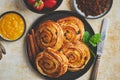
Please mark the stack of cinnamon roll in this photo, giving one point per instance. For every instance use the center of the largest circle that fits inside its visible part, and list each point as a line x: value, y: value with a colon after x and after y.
x: 58, y: 47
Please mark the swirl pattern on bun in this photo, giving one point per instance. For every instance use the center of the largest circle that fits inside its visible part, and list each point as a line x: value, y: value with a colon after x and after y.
x: 49, y: 34
x: 78, y: 55
x: 73, y: 28
x: 51, y: 63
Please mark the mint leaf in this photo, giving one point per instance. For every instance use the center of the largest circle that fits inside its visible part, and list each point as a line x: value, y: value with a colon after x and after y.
x: 95, y: 39
x: 86, y: 37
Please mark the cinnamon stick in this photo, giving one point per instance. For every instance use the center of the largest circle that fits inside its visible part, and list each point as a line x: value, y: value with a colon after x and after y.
x: 32, y: 46
x: 34, y: 40
x: 29, y: 49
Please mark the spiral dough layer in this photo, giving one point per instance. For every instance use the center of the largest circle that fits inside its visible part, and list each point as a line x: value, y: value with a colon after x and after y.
x: 78, y: 55
x: 72, y: 27
x: 49, y: 34
x: 51, y: 63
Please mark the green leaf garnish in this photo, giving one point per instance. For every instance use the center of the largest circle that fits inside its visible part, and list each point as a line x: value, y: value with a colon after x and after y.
x: 86, y: 37
x: 93, y: 40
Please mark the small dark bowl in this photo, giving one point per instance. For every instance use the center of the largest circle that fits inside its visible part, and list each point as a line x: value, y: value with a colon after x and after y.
x: 74, y: 6
x: 23, y: 21
x: 44, y: 10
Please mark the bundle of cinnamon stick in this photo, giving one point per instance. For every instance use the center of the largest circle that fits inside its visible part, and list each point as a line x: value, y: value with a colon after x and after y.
x: 33, y: 49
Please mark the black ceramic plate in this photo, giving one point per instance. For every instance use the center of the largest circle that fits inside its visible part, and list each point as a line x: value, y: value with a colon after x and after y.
x: 14, y: 12
x: 55, y: 16
x: 44, y: 10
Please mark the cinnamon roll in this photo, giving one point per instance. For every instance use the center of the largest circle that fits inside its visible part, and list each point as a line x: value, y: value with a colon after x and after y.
x: 51, y: 63
x: 49, y: 34
x: 78, y: 55
x: 73, y: 28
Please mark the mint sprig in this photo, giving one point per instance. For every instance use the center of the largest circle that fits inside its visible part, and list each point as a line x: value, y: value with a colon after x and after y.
x: 91, y: 40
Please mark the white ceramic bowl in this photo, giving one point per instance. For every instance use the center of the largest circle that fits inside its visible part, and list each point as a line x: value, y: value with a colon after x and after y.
x: 75, y: 8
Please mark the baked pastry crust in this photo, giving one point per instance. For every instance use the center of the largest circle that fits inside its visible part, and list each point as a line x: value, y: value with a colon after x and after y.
x: 73, y: 28
x: 62, y: 48
x: 49, y: 34
x: 51, y: 63
x: 78, y: 55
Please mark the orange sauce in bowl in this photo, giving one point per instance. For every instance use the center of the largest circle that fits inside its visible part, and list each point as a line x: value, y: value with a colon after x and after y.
x: 11, y: 26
